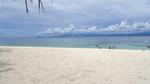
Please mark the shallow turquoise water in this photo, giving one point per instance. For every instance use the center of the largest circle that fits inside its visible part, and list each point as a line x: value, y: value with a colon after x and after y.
x: 121, y: 42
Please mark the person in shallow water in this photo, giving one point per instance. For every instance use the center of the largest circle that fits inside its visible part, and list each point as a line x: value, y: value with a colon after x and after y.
x: 148, y: 46
x: 98, y: 46
x: 112, y: 47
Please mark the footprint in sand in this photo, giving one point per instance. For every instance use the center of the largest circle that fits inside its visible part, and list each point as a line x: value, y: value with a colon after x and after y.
x: 75, y: 74
x: 141, y: 77
x: 100, y: 62
x: 5, y: 66
x: 108, y: 79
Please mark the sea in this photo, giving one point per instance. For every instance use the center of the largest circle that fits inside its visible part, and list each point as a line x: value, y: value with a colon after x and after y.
x: 116, y: 42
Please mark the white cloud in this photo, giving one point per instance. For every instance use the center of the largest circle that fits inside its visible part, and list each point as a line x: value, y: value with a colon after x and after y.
x: 71, y: 28
x: 123, y: 26
x: 60, y: 30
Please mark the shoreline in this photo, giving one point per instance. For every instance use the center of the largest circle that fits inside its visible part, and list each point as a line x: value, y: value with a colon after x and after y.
x: 72, y: 48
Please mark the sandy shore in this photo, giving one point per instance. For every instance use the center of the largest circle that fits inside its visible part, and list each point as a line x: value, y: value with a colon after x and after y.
x: 27, y: 65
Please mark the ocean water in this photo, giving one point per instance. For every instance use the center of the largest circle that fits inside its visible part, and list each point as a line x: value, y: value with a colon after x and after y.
x: 120, y: 42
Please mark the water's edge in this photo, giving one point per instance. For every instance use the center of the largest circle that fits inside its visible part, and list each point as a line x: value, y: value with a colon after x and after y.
x: 125, y: 42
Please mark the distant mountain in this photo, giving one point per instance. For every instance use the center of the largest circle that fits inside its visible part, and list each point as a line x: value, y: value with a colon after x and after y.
x: 50, y: 35
x: 94, y: 34
x: 141, y: 34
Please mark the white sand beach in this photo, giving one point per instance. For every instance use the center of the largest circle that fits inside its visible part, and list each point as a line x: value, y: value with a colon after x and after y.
x: 28, y: 65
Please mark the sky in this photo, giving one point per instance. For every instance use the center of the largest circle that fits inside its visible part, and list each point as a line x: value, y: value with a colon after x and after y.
x: 66, y: 16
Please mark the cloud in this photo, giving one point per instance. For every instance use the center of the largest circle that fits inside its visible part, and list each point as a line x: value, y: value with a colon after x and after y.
x: 123, y: 26
x: 60, y: 30
x: 93, y: 15
x: 71, y: 29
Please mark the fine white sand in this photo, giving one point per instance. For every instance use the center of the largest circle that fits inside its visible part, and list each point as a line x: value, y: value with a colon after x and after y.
x: 27, y: 65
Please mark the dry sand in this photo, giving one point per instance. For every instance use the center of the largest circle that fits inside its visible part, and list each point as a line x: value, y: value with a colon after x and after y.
x: 27, y: 65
